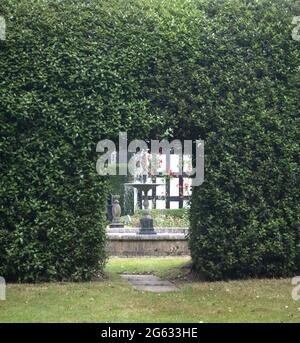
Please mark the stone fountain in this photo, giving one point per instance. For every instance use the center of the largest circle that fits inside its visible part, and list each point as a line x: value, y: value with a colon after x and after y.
x: 146, y: 222
x: 145, y: 240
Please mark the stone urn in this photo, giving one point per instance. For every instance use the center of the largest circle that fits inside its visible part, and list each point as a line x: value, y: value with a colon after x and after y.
x: 116, y: 213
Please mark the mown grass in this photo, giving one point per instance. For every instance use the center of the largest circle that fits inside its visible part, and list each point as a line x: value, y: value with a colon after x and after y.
x: 114, y: 300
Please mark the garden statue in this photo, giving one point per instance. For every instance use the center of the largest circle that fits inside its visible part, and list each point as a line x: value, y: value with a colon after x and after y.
x: 116, y: 213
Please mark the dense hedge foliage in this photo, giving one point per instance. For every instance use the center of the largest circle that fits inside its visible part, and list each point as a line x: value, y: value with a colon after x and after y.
x: 64, y: 84
x: 73, y: 72
x: 245, y: 218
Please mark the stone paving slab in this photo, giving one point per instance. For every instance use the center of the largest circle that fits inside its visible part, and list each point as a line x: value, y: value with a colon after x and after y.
x: 157, y: 289
x: 149, y: 283
x: 137, y: 277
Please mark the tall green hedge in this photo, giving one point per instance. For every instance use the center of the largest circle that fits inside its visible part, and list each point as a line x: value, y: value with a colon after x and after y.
x: 245, y: 218
x: 65, y: 83
x: 73, y: 72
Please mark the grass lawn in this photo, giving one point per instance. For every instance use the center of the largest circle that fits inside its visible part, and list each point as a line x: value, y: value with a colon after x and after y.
x: 114, y: 300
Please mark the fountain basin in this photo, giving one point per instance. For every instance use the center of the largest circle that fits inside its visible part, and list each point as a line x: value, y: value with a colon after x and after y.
x: 128, y: 242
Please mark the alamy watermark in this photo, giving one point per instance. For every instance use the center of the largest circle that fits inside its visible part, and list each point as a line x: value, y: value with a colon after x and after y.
x: 2, y: 28
x: 296, y: 29
x: 139, y: 159
x: 296, y: 21
x: 296, y: 290
x: 2, y: 288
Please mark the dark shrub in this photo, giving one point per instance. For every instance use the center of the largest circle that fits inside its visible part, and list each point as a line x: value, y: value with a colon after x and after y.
x: 64, y: 84
x: 73, y: 72
x: 245, y: 218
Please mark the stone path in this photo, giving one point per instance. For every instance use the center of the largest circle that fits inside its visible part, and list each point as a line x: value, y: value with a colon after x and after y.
x: 150, y: 283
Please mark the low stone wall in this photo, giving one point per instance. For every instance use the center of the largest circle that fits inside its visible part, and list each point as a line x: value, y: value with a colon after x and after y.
x: 128, y: 243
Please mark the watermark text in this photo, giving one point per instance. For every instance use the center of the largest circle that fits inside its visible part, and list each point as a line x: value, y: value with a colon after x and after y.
x: 2, y: 28
x: 296, y: 290
x: 2, y: 288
